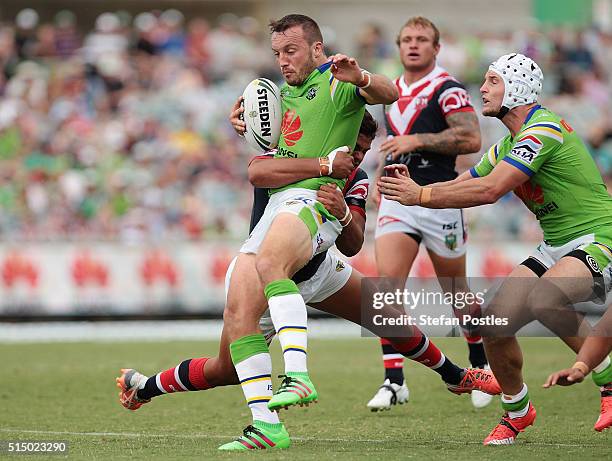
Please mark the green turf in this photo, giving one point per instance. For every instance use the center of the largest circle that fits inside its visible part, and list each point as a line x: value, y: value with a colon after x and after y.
x: 71, y: 388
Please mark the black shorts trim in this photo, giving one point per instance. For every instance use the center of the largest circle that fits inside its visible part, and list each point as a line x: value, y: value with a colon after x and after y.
x: 416, y: 237
x: 599, y: 286
x: 535, y: 266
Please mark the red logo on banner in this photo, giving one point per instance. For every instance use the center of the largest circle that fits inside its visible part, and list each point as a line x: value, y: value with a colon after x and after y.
x: 19, y: 267
x: 496, y: 264
x: 220, y: 263
x: 423, y: 267
x: 86, y: 270
x: 158, y: 267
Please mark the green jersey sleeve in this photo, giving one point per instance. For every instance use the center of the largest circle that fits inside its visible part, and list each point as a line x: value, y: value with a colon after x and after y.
x: 487, y: 162
x: 534, y: 145
x: 345, y: 96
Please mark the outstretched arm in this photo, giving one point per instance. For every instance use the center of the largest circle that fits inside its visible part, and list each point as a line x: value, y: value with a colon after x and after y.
x: 375, y: 88
x: 462, y: 194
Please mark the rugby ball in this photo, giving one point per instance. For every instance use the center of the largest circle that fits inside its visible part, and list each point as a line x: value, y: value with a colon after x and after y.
x: 262, y: 114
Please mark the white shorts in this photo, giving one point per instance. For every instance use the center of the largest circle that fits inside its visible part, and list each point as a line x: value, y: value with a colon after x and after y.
x: 331, y: 276
x: 442, y: 231
x: 548, y: 256
x: 303, y: 203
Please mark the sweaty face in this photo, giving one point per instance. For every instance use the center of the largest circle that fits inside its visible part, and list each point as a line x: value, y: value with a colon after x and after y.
x: 294, y: 55
x: 492, y: 91
x: 361, y: 148
x: 416, y: 48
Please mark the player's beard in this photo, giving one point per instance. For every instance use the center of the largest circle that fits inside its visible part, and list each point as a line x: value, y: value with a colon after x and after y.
x: 304, y: 72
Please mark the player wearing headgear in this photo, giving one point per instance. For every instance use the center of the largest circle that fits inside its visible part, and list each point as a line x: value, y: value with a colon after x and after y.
x: 546, y: 164
x: 431, y: 123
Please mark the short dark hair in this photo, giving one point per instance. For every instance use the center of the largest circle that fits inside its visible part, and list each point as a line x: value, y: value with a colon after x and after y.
x: 368, y: 127
x: 420, y: 21
x: 312, y: 33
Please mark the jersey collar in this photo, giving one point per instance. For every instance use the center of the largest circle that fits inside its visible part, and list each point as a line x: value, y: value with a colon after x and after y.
x: 436, y: 72
x: 531, y: 112
x: 323, y: 67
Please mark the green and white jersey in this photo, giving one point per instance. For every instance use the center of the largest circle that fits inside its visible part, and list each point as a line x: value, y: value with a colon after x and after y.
x: 566, y: 191
x: 319, y: 116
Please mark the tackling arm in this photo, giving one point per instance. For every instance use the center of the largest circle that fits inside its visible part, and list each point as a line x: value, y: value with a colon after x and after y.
x: 478, y: 191
x: 278, y: 172
x: 270, y: 172
x: 350, y: 241
x: 461, y: 194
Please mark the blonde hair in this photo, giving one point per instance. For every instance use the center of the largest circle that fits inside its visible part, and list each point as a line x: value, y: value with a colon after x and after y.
x: 420, y: 21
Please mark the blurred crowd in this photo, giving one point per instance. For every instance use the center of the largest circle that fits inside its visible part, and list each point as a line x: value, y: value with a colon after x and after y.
x: 120, y: 132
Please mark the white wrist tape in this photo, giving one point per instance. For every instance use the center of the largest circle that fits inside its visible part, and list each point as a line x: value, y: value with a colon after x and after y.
x: 332, y: 156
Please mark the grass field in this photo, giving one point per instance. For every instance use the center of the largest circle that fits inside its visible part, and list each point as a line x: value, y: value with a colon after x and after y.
x: 67, y: 391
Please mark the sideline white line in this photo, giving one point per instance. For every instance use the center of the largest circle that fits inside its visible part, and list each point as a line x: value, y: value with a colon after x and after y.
x: 149, y: 330
x: 301, y: 439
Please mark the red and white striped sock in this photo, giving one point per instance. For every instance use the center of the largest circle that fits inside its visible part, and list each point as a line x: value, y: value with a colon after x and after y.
x: 420, y: 349
x: 393, y: 361
x: 187, y: 376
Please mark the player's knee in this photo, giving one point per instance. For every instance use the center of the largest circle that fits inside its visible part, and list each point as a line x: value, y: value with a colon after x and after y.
x: 268, y: 268
x: 495, y: 343
x: 544, y: 299
x: 237, y: 320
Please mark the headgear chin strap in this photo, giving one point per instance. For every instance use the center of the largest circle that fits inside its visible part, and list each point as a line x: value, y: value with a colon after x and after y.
x: 522, y: 81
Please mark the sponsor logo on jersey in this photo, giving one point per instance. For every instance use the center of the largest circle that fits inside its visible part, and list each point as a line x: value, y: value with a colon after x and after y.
x: 527, y: 149
x: 453, y: 99
x: 450, y: 226
x: 451, y: 241
x: 546, y: 209
x: 530, y: 192
x: 424, y: 163
x: 340, y: 266
x: 312, y: 93
x: 290, y: 128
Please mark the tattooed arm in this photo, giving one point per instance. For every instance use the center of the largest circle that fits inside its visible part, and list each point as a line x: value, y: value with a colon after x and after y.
x: 461, y: 137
